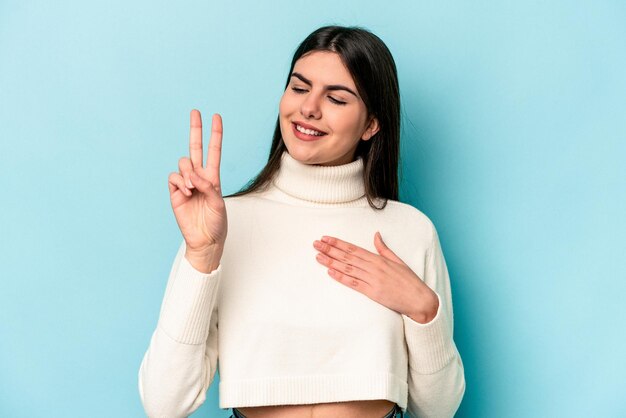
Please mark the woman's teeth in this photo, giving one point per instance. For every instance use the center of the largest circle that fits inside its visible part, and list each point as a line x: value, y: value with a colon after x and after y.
x: 308, y: 131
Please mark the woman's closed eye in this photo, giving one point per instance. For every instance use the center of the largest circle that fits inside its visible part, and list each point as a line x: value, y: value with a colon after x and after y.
x: 298, y: 90
x: 336, y: 101
x: 301, y: 90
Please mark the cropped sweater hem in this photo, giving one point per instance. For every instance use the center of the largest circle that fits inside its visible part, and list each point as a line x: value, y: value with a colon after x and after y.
x: 300, y: 390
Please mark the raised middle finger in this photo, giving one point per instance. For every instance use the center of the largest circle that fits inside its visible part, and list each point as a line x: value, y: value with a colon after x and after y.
x: 214, y: 153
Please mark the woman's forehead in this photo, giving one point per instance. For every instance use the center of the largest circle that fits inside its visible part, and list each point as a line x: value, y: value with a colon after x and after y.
x: 324, y: 67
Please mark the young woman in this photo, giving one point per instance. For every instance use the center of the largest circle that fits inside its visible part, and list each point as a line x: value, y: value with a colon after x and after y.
x: 321, y: 295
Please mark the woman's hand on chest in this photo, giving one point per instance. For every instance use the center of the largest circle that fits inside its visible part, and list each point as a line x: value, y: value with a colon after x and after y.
x: 382, y: 277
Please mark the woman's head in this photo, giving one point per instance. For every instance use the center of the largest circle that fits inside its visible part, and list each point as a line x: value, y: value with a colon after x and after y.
x: 332, y: 66
x: 322, y: 116
x: 345, y: 55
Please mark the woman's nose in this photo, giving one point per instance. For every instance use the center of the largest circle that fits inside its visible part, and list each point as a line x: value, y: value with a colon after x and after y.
x: 310, y: 108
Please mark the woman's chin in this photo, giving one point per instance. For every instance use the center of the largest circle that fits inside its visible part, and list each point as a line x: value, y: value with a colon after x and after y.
x: 305, y: 156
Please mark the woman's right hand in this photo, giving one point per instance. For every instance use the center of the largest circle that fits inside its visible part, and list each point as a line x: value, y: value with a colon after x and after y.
x: 196, y: 197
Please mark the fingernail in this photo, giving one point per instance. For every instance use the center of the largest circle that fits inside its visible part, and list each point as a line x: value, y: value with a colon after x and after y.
x: 189, y: 185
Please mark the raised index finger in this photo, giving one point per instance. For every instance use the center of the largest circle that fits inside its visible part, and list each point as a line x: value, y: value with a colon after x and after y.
x: 195, y: 138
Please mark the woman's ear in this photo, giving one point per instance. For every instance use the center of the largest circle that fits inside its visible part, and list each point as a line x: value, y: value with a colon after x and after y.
x: 371, y: 130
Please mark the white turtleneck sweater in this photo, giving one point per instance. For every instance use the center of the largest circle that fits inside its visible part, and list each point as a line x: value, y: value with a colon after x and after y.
x: 284, y: 331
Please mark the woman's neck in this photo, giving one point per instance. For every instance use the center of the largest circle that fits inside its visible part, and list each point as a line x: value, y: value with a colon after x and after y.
x: 337, y: 184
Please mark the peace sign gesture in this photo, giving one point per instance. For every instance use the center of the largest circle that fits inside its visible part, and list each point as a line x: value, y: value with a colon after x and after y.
x: 196, y: 197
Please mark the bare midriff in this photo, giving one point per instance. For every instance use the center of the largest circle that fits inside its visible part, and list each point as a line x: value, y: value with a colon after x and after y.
x: 377, y: 408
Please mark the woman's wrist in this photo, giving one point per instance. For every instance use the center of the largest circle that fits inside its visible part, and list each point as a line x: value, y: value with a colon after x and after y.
x: 206, y: 260
x: 428, y: 311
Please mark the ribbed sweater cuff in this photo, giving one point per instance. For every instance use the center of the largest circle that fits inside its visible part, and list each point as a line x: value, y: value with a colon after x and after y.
x: 186, y: 313
x: 430, y: 345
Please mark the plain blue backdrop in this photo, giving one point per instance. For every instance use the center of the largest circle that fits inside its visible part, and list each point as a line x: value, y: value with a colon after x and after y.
x: 513, y: 144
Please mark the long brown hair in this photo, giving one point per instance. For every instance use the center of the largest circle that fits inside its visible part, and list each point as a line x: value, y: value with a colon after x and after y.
x: 374, y: 72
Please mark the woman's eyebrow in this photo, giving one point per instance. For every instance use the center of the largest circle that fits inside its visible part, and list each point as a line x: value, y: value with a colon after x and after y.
x: 331, y: 87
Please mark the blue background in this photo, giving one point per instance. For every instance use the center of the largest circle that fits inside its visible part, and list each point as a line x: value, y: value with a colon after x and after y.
x: 514, y: 130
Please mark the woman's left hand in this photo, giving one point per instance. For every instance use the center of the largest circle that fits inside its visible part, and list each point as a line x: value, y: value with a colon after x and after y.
x: 382, y: 277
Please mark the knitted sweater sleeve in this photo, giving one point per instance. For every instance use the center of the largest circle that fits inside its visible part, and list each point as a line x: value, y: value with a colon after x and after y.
x: 436, y: 376
x: 181, y: 360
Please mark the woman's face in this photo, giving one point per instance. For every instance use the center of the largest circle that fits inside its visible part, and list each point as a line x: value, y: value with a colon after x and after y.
x: 322, y: 116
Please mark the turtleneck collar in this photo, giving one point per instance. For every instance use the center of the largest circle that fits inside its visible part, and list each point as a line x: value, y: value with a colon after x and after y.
x: 320, y: 184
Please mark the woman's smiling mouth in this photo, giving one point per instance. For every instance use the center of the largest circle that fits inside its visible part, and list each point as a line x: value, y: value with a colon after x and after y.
x: 306, y: 132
